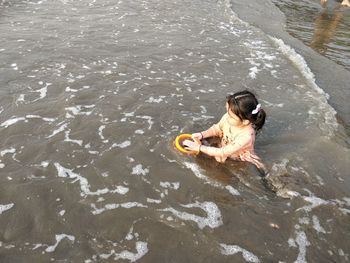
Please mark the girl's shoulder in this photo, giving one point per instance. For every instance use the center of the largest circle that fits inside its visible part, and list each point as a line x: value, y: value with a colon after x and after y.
x: 247, y: 131
x: 223, y: 121
x: 246, y: 136
x: 224, y: 117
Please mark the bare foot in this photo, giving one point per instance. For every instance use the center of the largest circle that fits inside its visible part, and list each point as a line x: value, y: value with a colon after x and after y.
x: 346, y: 3
x: 324, y: 2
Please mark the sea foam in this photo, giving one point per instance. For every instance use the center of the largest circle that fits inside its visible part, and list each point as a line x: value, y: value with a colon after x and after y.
x: 84, y: 184
x: 59, y: 238
x: 213, y: 219
x: 301, y: 64
x: 4, y: 208
x: 234, y: 249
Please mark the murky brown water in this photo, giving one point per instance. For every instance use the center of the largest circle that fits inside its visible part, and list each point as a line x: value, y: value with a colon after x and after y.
x: 93, y: 94
x: 325, y: 29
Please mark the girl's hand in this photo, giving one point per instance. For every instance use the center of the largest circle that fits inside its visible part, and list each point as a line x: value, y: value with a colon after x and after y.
x: 191, y: 145
x: 197, y: 136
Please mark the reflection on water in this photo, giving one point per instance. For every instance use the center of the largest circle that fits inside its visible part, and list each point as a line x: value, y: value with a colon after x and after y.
x: 326, y: 30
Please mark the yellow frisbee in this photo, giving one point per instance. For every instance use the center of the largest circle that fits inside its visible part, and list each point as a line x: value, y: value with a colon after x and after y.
x: 179, y: 143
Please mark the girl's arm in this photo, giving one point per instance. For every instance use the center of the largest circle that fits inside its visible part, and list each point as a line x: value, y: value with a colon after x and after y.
x: 227, y: 150
x: 211, y: 132
x: 215, y: 130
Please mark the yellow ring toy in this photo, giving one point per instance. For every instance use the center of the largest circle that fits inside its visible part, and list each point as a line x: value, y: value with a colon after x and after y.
x: 179, y: 140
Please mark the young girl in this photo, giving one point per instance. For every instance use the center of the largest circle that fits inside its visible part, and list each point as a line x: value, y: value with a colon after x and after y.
x: 236, y: 130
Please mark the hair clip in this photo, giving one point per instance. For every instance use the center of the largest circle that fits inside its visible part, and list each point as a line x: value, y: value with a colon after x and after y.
x: 241, y: 96
x: 257, y: 109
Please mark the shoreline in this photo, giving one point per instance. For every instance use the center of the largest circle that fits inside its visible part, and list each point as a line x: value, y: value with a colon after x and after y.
x: 331, y: 77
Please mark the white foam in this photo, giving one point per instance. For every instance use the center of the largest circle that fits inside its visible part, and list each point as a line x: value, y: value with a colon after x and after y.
x: 79, y: 110
x: 259, y: 58
x: 285, y: 193
x: 4, y: 208
x: 149, y: 120
x: 232, y: 190
x: 44, y: 164
x: 234, y: 249
x: 253, y: 71
x: 14, y: 120
x: 304, y: 221
x: 100, y: 131
x: 68, y: 89
x: 39, y: 117
x: 170, y: 185
x: 302, y: 242
x: 155, y: 201
x: 60, y: 129
x: 347, y: 200
x: 198, y: 172
x: 62, y: 212
x: 14, y: 66
x: 343, y: 254
x: 129, y: 236
x: 278, y: 105
x: 213, y: 219
x: 122, y: 190
x: 128, y: 114
x: 43, y: 92
x: 299, y: 61
x: 32, y: 176
x: 195, y: 169
x: 319, y: 179
x: 84, y: 184
x: 280, y: 167
x: 67, y: 139
x: 107, y: 207
x: 68, y: 173
x: 203, y: 109
x: 345, y: 211
x: 291, y: 242
x: 36, y: 246
x: 139, y: 170
x: 301, y: 64
x: 59, y: 238
x: 130, y: 159
x: 141, y: 250
x: 10, y: 150
x: 317, y: 225
x: 315, y: 202
x: 20, y: 99
x: 155, y: 100
x: 121, y: 145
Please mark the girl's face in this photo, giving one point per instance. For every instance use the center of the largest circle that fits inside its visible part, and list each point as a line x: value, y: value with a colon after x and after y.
x: 233, y: 119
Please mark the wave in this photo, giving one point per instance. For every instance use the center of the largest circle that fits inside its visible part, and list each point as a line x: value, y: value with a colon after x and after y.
x: 314, y: 67
x: 302, y: 66
x: 324, y: 111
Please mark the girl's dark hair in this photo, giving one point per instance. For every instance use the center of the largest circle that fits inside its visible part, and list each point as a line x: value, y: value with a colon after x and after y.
x: 245, y: 105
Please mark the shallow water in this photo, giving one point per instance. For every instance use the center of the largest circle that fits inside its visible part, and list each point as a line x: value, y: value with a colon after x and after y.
x: 326, y: 30
x: 93, y: 95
